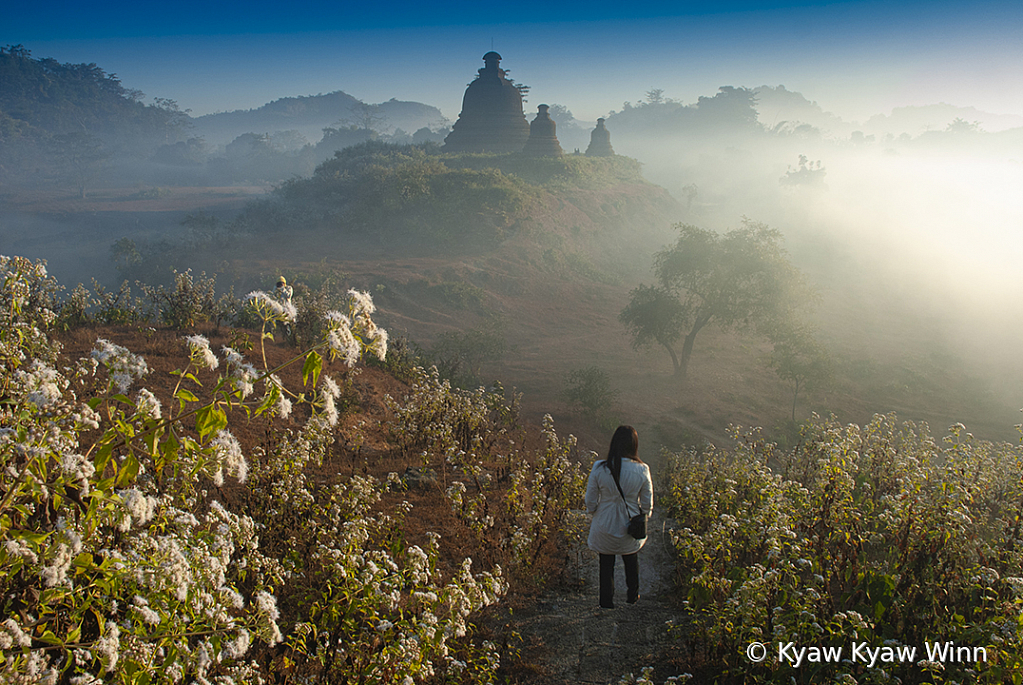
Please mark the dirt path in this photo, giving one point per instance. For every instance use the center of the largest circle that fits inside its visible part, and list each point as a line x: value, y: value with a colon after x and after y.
x: 571, y: 640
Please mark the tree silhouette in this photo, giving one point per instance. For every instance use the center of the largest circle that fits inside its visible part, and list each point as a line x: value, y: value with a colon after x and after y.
x: 78, y: 156
x: 740, y: 280
x: 798, y: 357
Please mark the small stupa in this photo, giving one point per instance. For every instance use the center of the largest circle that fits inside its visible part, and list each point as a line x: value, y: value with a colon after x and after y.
x: 491, y: 119
x: 543, y: 139
x: 600, y: 142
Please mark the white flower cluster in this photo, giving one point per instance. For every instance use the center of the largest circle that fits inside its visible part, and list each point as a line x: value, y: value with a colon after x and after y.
x: 148, y: 405
x: 40, y: 384
x: 241, y: 373
x: 124, y: 367
x: 270, y: 309
x: 276, y: 392
x: 340, y: 339
x: 227, y: 456
x: 349, y: 335
x: 120, y: 531
x: 200, y: 352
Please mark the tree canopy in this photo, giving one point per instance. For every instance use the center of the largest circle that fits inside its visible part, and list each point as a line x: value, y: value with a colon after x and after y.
x: 741, y: 280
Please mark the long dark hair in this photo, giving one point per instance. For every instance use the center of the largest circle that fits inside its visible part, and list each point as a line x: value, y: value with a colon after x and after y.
x: 624, y: 443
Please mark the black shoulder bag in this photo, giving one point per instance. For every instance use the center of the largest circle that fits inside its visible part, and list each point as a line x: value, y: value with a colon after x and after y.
x: 637, y: 523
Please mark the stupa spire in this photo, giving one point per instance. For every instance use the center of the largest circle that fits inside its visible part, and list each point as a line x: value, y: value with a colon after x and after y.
x: 600, y: 142
x: 543, y: 139
x: 491, y: 119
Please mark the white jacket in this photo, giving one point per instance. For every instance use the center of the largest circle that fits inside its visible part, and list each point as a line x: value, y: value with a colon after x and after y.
x: 608, y: 533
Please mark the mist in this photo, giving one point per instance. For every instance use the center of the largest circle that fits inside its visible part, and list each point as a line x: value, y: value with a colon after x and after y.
x: 912, y: 241
x: 905, y: 222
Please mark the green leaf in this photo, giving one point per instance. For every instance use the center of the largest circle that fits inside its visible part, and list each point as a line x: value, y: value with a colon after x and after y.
x: 186, y: 395
x: 311, y: 368
x: 129, y: 471
x: 210, y: 419
x: 49, y: 638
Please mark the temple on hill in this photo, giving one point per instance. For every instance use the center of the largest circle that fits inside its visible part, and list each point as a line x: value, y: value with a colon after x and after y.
x: 600, y: 142
x: 491, y: 119
x: 543, y: 139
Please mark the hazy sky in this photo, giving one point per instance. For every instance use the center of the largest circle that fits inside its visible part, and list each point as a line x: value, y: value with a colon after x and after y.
x: 854, y: 58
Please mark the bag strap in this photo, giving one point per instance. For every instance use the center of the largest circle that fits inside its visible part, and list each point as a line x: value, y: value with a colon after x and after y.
x: 620, y: 492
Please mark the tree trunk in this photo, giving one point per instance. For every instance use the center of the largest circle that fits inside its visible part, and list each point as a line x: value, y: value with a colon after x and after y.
x: 794, y: 396
x: 674, y: 356
x: 687, y: 347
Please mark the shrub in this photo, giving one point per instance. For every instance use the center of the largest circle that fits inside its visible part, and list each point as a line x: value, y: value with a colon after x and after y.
x: 514, y: 500
x: 191, y: 301
x: 588, y: 390
x: 877, y: 534
x: 139, y: 544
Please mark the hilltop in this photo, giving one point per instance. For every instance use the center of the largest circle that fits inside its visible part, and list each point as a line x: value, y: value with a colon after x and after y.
x: 310, y: 114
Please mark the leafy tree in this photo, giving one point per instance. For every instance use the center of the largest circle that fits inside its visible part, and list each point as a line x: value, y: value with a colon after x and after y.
x: 335, y: 139
x: 589, y: 391
x: 808, y: 173
x: 655, y: 315
x: 78, y: 156
x: 53, y: 98
x: 460, y: 355
x: 191, y: 152
x: 655, y: 96
x: 729, y: 108
x: 798, y: 357
x: 960, y: 125
x: 249, y: 145
x: 288, y: 141
x: 741, y: 280
x: 364, y: 116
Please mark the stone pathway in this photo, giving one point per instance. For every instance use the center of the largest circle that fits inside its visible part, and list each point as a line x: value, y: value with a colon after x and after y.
x: 574, y: 641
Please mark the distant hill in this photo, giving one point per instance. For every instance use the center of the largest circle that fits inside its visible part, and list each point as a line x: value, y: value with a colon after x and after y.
x: 309, y: 115
x: 917, y: 120
x: 781, y: 109
x: 53, y: 116
x: 41, y: 97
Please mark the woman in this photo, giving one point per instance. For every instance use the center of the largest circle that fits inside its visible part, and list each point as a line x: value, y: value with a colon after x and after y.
x: 611, y: 514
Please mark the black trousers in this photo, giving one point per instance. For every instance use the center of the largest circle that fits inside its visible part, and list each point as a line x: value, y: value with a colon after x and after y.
x: 607, y: 578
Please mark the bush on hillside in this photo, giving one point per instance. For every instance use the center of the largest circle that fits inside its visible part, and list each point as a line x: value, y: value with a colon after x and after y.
x: 139, y: 543
x: 878, y: 535
x: 426, y: 197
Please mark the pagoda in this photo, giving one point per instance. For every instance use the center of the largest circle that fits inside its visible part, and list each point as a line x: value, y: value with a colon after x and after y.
x: 600, y: 142
x: 543, y: 139
x: 491, y: 119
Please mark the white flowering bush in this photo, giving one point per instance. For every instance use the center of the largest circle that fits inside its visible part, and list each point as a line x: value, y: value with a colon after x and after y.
x: 190, y: 301
x: 514, y: 499
x: 877, y: 534
x: 125, y: 556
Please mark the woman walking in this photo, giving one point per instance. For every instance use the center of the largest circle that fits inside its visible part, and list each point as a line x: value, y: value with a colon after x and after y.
x: 618, y: 489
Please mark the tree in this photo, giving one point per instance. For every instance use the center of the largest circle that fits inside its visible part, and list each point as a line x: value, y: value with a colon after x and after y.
x: 798, y: 357
x: 78, y: 155
x: 655, y: 96
x: 460, y: 355
x: 806, y: 174
x: 589, y: 391
x: 740, y: 280
x: 960, y: 125
x: 731, y: 107
x: 364, y: 116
